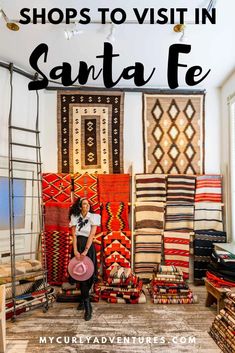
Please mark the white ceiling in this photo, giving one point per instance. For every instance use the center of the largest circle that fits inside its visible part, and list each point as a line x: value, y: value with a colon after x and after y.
x: 212, y: 45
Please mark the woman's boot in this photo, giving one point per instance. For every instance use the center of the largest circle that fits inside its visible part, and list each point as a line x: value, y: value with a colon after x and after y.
x: 88, y: 309
x: 80, y: 305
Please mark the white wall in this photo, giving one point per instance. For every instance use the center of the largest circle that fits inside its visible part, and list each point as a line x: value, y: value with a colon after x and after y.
x: 227, y: 89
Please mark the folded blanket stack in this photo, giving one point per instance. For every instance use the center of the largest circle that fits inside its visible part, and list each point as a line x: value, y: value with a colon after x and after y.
x: 26, y: 302
x: 223, y: 327
x: 169, y: 287
x: 122, y: 286
x: 72, y: 293
x: 221, y: 270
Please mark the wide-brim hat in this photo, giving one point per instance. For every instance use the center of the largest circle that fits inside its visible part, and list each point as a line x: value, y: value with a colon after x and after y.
x: 81, y: 270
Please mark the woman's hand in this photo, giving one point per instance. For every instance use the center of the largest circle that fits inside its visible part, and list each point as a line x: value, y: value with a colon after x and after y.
x: 83, y: 254
x: 77, y: 255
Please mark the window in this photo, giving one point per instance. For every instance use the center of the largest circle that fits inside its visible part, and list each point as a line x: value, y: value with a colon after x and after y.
x: 19, y: 188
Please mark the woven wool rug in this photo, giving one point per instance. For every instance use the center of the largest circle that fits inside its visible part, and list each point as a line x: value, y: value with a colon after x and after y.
x: 117, y: 247
x: 90, y: 132
x: 149, y: 217
x: 56, y: 244
x: 208, y: 188
x: 150, y: 187
x: 208, y: 216
x: 148, y: 250
x: 173, y: 133
x: 114, y: 187
x: 176, y: 251
x: 180, y: 188
x: 203, y: 247
x: 179, y: 217
x: 85, y: 186
x: 114, y: 216
x: 98, y: 248
x: 56, y: 187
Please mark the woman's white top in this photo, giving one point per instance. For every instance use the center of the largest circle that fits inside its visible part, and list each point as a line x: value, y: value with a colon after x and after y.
x: 83, y: 224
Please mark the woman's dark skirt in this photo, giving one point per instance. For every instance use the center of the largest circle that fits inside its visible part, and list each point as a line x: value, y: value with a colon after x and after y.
x: 81, y: 244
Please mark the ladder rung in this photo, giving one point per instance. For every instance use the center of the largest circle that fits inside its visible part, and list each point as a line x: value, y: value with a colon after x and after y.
x: 28, y: 253
x: 18, y: 178
x: 24, y: 145
x: 29, y: 233
x: 31, y: 274
x: 24, y: 129
x: 30, y: 196
x: 24, y: 161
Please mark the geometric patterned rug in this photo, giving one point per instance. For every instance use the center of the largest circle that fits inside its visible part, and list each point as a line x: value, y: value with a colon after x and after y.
x: 114, y: 216
x: 57, y: 241
x: 173, y: 133
x: 56, y: 187
x: 117, y: 246
x: 90, y: 132
x: 85, y: 186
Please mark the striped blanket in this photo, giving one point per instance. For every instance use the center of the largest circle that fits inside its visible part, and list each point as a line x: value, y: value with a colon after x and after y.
x: 148, y: 250
x: 208, y: 216
x: 176, y: 250
x: 150, y: 187
x: 179, y: 217
x: 149, y: 217
x: 203, y: 247
x: 209, y: 188
x: 180, y: 188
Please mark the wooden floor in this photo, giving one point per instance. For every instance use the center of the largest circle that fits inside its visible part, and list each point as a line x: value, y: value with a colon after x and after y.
x: 188, y: 324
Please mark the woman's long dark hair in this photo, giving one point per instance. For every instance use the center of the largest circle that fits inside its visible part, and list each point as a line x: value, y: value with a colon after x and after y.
x: 75, y: 209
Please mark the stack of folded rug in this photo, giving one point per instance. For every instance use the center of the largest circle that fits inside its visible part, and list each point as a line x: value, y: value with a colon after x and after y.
x: 223, y: 327
x: 168, y: 287
x: 122, y: 286
x: 221, y: 270
x: 72, y: 293
x: 29, y: 301
x: 69, y: 293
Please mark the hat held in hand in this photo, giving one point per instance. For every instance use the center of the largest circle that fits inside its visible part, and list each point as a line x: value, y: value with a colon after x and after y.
x: 81, y: 270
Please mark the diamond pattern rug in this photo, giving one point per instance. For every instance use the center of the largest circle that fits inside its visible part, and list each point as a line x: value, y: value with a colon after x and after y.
x: 174, y: 134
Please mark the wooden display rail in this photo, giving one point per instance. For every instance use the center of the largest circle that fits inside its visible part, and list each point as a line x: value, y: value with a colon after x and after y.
x: 215, y: 295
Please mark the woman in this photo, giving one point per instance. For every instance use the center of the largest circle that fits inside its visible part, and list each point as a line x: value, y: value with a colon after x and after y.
x: 83, y: 223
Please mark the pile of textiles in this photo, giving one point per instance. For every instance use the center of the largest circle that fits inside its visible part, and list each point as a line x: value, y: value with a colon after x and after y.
x: 223, y: 327
x: 69, y: 293
x: 26, y: 302
x: 24, y: 287
x: 72, y: 293
x: 122, y: 286
x: 23, y: 268
x: 203, y: 247
x: 221, y: 270
x: 168, y: 287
